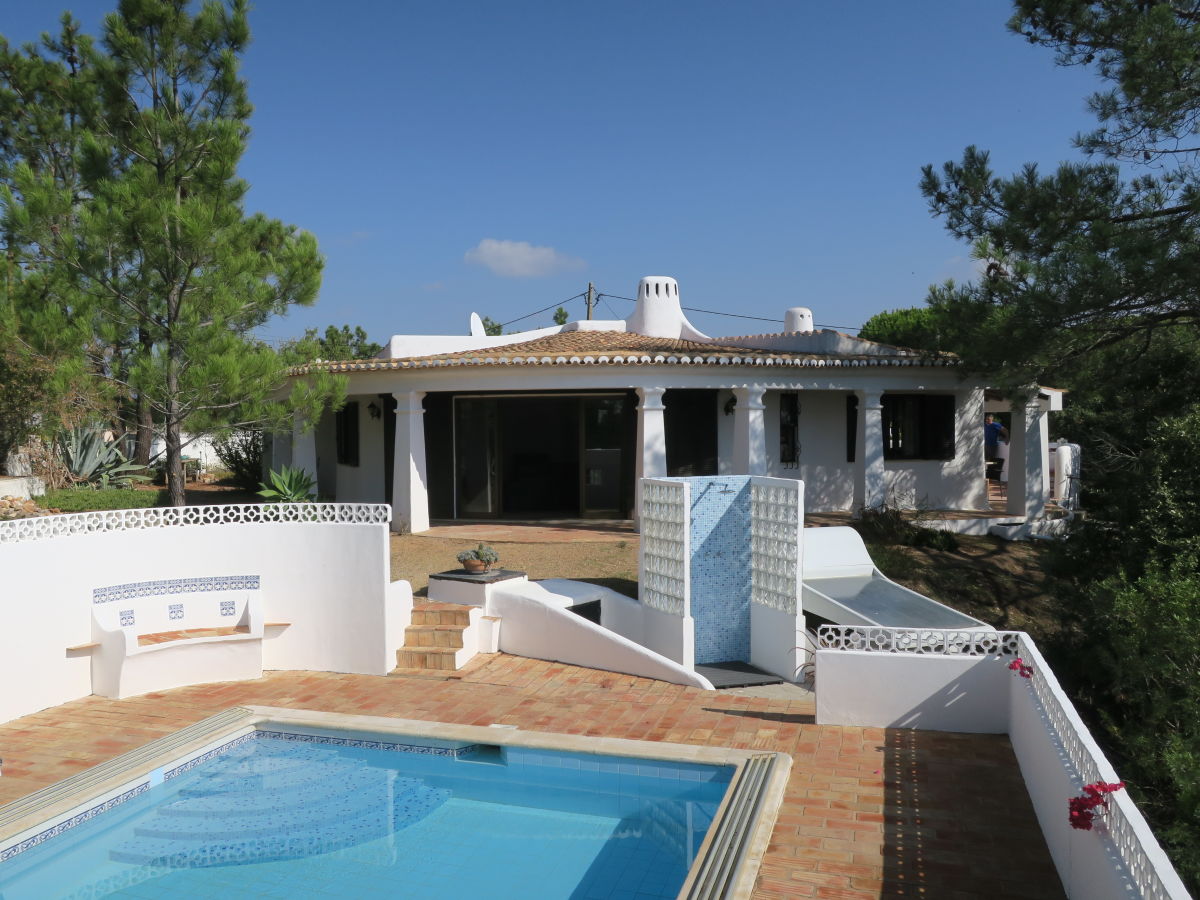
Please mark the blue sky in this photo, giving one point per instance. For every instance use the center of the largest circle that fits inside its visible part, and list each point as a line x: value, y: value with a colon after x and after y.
x: 765, y: 153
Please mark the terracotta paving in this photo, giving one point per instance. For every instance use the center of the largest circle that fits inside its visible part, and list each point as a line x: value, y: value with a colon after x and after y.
x: 869, y: 812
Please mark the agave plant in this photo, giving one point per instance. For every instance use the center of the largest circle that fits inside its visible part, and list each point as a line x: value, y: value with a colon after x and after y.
x: 288, y: 485
x: 92, y: 460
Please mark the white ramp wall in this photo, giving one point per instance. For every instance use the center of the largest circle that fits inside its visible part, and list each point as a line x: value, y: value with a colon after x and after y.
x: 534, y: 625
x: 323, y: 568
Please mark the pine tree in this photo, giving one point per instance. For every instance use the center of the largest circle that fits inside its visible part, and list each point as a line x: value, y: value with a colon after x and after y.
x: 159, y: 246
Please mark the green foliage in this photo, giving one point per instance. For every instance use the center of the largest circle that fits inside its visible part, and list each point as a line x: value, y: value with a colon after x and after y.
x: 289, y: 485
x: 241, y: 452
x: 888, y: 526
x: 1092, y: 282
x: 135, y: 244
x: 491, y: 326
x: 483, y: 553
x: 336, y: 344
x: 917, y: 329
x: 23, y: 395
x: 86, y: 499
x: 1132, y: 666
x: 561, y: 316
x: 94, y: 461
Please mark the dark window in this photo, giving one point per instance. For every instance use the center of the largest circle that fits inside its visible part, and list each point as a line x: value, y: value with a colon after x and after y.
x: 851, y: 426
x: 346, y: 426
x: 789, y: 430
x: 918, y: 426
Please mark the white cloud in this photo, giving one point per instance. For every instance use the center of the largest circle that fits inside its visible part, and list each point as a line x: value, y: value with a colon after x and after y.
x: 521, y: 259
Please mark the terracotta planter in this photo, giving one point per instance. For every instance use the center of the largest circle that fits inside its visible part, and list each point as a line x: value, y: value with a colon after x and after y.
x: 476, y: 566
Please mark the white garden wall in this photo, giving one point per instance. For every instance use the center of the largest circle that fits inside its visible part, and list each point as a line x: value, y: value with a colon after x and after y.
x: 328, y: 579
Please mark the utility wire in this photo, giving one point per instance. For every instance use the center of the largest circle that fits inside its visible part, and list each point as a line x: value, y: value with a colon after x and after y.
x: 545, y: 309
x: 713, y: 312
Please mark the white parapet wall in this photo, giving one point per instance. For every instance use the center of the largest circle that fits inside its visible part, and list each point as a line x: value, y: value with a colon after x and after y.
x: 962, y: 681
x: 322, y: 572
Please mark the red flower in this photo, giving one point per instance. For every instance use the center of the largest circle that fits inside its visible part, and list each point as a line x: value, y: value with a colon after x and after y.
x: 1082, y: 809
x: 1018, y: 666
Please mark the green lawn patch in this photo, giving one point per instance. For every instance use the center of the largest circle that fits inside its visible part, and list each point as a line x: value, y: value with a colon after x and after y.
x: 86, y: 499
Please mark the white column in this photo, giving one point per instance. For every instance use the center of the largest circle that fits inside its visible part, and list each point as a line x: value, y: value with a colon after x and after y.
x: 410, y: 480
x: 1026, y: 476
x: 749, y: 432
x: 651, y: 439
x: 874, y: 491
x: 304, y: 446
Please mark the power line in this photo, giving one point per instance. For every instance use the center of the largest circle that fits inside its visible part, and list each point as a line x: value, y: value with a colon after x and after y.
x: 545, y: 309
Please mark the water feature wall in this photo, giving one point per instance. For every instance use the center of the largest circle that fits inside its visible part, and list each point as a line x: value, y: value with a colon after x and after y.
x: 726, y: 551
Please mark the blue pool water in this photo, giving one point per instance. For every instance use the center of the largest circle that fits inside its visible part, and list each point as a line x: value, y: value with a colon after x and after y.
x: 277, y: 816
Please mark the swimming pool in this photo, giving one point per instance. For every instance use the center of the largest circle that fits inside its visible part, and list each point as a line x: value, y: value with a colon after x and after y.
x: 289, y: 806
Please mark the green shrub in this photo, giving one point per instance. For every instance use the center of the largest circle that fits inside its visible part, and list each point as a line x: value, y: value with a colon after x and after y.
x: 241, y: 452
x: 86, y: 499
x: 289, y: 485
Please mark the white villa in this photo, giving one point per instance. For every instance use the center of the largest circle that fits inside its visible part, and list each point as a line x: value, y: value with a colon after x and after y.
x: 561, y: 422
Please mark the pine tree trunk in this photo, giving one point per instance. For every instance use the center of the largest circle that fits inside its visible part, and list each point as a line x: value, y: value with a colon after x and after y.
x: 145, y: 419
x: 175, y: 474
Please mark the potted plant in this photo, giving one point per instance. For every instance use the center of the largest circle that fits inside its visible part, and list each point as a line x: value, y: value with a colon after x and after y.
x: 481, y: 559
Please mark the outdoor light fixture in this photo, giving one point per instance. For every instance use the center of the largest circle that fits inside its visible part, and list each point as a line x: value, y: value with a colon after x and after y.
x: 374, y: 410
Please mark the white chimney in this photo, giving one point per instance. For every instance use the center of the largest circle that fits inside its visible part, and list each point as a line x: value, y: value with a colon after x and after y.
x: 658, y: 313
x: 798, y: 318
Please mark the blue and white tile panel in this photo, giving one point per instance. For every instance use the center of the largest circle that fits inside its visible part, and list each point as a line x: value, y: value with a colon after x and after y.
x: 452, y: 752
x: 71, y: 821
x: 201, y: 585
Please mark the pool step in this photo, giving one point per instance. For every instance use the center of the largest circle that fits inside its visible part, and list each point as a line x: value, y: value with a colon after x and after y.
x: 443, y: 637
x: 230, y: 817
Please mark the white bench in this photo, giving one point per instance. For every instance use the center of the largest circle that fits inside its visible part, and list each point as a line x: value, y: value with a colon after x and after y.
x: 156, y: 635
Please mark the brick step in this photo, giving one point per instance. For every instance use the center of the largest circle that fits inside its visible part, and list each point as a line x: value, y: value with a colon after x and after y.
x: 441, y: 614
x: 418, y: 637
x: 435, y: 658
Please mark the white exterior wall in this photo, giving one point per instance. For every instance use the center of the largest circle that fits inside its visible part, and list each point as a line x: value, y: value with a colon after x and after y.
x: 946, y: 484
x: 938, y: 693
x: 833, y: 483
x: 365, y: 482
x: 776, y: 641
x: 329, y: 580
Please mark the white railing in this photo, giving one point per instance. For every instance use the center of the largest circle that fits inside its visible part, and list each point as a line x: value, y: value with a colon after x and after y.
x: 665, y: 546
x: 68, y: 524
x: 775, y: 522
x: 921, y: 641
x: 1133, y: 841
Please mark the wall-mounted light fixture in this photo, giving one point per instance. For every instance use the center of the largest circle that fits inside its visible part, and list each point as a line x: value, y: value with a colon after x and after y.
x: 729, y: 405
x: 374, y: 410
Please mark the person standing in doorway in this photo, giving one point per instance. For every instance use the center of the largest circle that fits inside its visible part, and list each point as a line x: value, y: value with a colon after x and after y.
x: 993, y: 433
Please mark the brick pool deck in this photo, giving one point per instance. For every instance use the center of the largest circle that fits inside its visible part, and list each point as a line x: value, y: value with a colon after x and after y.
x: 869, y: 812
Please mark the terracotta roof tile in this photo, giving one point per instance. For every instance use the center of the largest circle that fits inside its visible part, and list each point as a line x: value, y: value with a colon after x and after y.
x: 620, y: 348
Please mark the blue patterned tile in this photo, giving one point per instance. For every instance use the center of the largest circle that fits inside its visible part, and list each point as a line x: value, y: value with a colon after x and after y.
x: 159, y: 588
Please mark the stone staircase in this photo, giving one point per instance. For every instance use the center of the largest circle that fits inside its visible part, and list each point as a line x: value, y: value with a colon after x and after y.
x: 445, y: 636
x: 269, y: 800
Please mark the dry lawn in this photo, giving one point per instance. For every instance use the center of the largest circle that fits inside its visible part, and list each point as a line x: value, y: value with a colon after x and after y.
x: 613, y: 564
